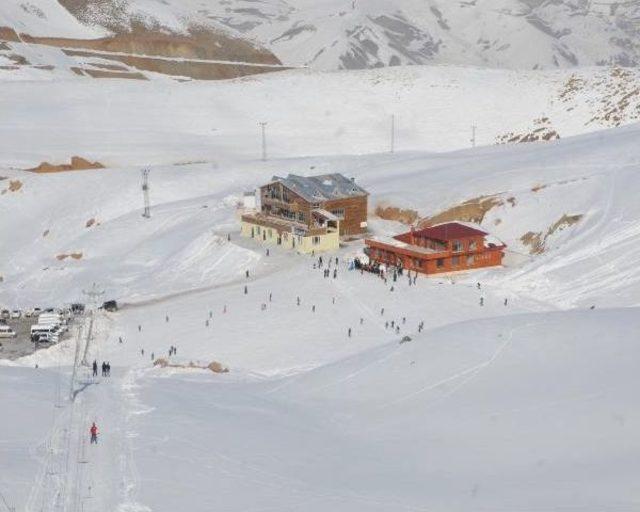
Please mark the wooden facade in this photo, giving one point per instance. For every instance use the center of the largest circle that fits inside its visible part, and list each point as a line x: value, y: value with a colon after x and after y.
x: 447, y: 247
x: 295, y: 199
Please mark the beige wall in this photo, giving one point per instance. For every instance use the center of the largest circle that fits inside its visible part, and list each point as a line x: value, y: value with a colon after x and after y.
x: 305, y: 245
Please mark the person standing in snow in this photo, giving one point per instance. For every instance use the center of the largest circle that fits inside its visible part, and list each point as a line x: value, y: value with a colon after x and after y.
x: 482, y: 301
x: 505, y: 301
x: 349, y: 332
x: 94, y: 433
x: 95, y: 368
x: 246, y: 290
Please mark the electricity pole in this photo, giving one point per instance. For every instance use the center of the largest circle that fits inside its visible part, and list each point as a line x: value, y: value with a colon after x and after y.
x: 145, y: 193
x: 263, y: 126
x: 393, y: 133
x: 473, y: 136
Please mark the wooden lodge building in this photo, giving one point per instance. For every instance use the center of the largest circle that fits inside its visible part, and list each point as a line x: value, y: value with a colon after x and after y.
x: 308, y: 214
x: 448, y: 247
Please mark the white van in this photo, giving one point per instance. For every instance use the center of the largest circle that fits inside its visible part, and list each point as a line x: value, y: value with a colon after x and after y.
x: 7, y: 332
x: 50, y: 316
x: 44, y: 333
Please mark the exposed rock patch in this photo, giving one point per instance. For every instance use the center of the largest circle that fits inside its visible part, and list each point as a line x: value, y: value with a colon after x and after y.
x: 542, y: 130
x: 73, y: 255
x: 406, y: 216
x: 213, y: 366
x: 14, y: 185
x: 474, y: 210
x: 536, y: 241
x: 77, y: 164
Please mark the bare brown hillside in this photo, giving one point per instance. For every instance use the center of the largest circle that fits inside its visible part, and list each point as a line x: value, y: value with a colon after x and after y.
x: 156, y: 50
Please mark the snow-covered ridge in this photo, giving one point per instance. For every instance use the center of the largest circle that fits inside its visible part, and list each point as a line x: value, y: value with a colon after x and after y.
x: 348, y: 34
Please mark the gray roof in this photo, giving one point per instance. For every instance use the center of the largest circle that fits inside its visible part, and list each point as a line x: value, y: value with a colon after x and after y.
x: 323, y: 187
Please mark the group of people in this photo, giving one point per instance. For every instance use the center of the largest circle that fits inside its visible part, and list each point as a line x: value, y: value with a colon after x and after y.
x: 106, y: 368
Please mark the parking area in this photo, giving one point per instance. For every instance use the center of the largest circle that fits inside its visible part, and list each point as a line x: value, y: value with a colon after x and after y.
x: 21, y: 345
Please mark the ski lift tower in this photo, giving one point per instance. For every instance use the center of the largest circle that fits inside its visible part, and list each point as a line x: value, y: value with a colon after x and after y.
x: 145, y: 193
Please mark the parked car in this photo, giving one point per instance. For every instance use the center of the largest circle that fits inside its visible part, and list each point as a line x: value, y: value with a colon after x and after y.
x: 7, y: 332
x: 5, y: 314
x: 110, y: 305
x: 16, y: 313
x: 77, y: 308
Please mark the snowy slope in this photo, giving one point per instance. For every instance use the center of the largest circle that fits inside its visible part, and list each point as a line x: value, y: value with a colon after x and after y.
x: 96, y: 215
x: 531, y: 410
x: 307, y: 113
x: 537, y: 413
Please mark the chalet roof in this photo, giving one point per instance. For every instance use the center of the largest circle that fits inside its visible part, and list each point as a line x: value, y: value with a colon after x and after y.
x: 323, y: 187
x: 449, y: 231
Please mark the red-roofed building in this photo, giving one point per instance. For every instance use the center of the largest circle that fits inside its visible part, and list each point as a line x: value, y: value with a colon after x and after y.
x: 448, y: 247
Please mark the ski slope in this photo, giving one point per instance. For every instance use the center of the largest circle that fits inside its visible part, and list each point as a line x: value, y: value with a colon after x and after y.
x: 527, y: 404
x: 307, y: 113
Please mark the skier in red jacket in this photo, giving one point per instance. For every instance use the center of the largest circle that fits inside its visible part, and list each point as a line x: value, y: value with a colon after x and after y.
x: 94, y: 433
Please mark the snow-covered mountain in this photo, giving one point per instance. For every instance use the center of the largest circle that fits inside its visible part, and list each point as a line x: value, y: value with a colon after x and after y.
x: 348, y: 34
x: 522, y: 34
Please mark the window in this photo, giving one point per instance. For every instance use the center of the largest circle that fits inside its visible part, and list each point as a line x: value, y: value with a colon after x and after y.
x: 471, y: 259
x: 301, y: 216
x: 338, y: 213
x: 417, y: 263
x: 315, y: 240
x: 457, y: 246
x: 473, y: 245
x: 440, y: 262
x: 258, y: 229
x: 270, y: 233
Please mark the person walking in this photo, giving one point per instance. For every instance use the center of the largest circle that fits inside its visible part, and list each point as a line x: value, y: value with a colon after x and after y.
x: 94, y: 433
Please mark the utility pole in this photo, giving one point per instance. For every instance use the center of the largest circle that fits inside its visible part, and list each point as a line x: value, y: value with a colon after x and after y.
x: 263, y: 126
x: 145, y: 193
x: 473, y: 136
x: 393, y: 133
